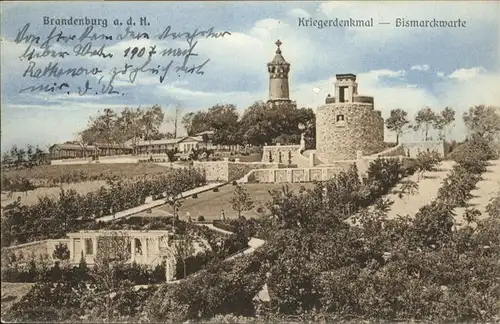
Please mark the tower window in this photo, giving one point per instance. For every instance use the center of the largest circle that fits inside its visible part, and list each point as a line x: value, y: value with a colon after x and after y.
x: 340, y: 118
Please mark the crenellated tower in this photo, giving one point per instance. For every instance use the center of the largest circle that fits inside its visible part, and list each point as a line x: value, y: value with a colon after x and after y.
x: 348, y: 123
x: 278, y: 70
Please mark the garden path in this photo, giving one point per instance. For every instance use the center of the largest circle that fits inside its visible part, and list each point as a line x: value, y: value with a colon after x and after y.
x: 156, y: 203
x: 427, y: 191
x: 486, y: 189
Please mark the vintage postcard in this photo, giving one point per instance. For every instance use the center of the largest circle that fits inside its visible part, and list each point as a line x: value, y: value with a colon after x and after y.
x: 250, y: 162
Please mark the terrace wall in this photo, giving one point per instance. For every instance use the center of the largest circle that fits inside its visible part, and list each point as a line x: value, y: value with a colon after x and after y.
x: 229, y: 171
x: 37, y: 248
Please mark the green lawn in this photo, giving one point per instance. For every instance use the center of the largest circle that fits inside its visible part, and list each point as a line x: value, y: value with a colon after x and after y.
x: 209, y: 204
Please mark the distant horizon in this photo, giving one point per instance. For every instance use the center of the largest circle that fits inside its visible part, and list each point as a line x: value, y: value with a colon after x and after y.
x: 407, y: 68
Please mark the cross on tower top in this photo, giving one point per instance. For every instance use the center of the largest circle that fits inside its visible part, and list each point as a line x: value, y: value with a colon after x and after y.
x: 278, y: 43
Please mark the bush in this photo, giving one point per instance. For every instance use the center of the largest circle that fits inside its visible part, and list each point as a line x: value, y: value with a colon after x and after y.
x: 53, y: 218
x: 201, y: 218
x: 216, y: 189
x: 493, y: 207
x: 61, y: 252
x: 195, y: 196
x: 222, y: 225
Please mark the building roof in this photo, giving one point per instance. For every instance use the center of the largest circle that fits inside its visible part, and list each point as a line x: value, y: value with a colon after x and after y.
x: 72, y: 147
x: 113, y: 145
x: 346, y: 76
x: 278, y: 58
x: 159, y: 142
x: 208, y: 132
x: 171, y: 141
x: 68, y: 146
x: 192, y: 139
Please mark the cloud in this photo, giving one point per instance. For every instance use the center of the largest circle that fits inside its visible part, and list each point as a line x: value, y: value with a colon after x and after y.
x: 424, y: 67
x: 298, y: 13
x: 380, y: 56
x: 466, y: 74
x: 379, y: 75
x: 479, y: 88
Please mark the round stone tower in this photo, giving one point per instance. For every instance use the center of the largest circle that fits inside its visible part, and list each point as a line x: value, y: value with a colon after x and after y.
x: 347, y: 123
x: 278, y: 70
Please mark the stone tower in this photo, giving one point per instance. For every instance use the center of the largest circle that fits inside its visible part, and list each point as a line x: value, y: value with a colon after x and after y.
x: 347, y: 123
x: 278, y: 70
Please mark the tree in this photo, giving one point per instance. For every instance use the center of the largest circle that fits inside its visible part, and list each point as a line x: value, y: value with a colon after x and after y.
x: 424, y: 120
x: 483, y: 121
x: 241, y: 200
x: 408, y: 187
x: 131, y: 126
x: 223, y: 120
x: 159, y: 136
x: 183, y: 249
x: 61, y: 252
x: 151, y: 121
x: 442, y: 120
x: 176, y: 115
x: 493, y: 208
x: 397, y: 120
x: 105, y: 125
x: 195, y: 123
x: 113, y: 251
x: 426, y: 161
x: 262, y: 123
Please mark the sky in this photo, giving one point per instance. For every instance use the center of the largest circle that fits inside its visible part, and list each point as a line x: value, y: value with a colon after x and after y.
x: 408, y: 68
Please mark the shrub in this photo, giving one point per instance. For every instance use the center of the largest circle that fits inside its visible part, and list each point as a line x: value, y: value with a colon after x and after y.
x: 53, y: 218
x: 61, y: 252
x: 426, y: 161
x: 201, y: 218
x: 216, y: 189
x: 220, y: 224
x: 493, y: 208
x: 195, y: 196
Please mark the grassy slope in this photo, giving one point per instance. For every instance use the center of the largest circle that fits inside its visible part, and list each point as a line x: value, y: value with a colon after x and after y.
x: 12, y: 292
x: 209, y: 204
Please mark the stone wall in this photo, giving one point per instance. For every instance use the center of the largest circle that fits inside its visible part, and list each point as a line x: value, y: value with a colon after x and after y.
x: 320, y: 173
x: 288, y: 152
x: 393, y: 151
x: 412, y: 149
x: 38, y: 248
x: 229, y: 171
x: 291, y: 175
x: 238, y: 170
x: 362, y: 129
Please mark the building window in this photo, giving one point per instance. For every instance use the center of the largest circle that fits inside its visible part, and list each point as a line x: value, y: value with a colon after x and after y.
x: 89, y: 247
x: 340, y: 118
